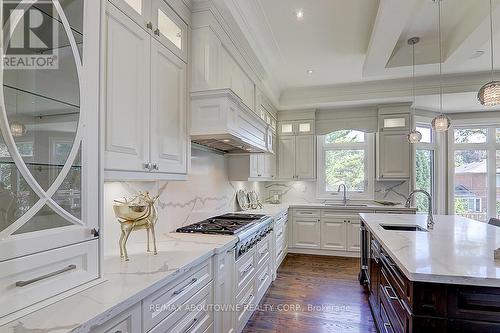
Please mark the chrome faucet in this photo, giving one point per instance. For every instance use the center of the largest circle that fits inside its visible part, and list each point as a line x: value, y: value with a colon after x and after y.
x: 345, y: 195
x: 430, y: 218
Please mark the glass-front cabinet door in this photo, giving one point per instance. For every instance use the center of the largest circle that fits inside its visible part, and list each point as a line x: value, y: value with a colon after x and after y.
x: 169, y: 28
x: 48, y: 125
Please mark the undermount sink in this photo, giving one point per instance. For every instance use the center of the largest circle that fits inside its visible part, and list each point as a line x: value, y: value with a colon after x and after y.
x: 348, y: 205
x: 402, y: 227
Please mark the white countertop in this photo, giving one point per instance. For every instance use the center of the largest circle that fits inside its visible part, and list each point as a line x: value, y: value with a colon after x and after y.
x: 126, y: 283
x: 457, y: 251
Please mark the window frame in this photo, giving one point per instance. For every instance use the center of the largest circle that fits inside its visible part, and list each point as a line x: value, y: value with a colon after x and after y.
x: 491, y: 146
x: 433, y: 148
x: 369, y: 150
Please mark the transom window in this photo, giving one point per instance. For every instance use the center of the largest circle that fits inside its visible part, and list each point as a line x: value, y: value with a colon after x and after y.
x: 344, y: 157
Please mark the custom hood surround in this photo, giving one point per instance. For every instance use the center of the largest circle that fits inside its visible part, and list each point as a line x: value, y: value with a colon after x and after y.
x: 221, y: 121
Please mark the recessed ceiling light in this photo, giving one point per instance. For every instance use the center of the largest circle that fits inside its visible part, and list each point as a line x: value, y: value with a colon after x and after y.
x: 310, y: 71
x: 225, y: 140
x: 299, y: 14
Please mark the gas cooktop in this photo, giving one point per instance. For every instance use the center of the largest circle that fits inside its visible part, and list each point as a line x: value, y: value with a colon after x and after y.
x: 227, y: 224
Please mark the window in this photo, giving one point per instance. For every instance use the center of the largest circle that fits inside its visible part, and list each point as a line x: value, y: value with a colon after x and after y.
x: 474, y: 154
x: 425, y: 167
x: 345, y: 157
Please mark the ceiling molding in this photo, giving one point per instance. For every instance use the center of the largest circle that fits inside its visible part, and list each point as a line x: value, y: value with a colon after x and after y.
x: 376, y: 92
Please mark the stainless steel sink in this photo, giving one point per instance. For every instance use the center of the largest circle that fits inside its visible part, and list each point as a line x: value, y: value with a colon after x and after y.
x: 402, y: 227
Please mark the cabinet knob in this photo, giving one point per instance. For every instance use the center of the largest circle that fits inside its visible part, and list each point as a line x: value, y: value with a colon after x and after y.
x: 157, y: 32
x: 149, y: 25
x: 156, y: 167
x: 147, y: 166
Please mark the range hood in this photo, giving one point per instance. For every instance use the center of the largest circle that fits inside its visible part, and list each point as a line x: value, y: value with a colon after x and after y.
x: 220, y: 120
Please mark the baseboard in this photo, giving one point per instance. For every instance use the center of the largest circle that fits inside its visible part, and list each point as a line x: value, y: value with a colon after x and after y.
x: 324, y: 252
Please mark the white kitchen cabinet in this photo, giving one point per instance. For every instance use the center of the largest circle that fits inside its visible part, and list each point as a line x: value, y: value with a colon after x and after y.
x: 128, y: 63
x: 296, y: 157
x: 128, y: 321
x: 236, y: 79
x: 137, y: 10
x: 393, y: 155
x: 146, y: 95
x: 306, y: 232
x: 49, y: 202
x: 224, y: 290
x: 353, y: 232
x: 169, y: 29
x: 333, y: 234
x: 168, y: 111
x: 254, y: 167
x: 296, y: 127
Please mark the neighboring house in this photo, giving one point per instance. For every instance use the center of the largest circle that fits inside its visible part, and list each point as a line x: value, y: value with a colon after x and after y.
x: 471, y: 187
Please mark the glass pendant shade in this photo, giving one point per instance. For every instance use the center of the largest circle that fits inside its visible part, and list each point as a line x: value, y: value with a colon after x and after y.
x: 17, y: 129
x: 441, y: 123
x: 414, y: 136
x: 489, y: 94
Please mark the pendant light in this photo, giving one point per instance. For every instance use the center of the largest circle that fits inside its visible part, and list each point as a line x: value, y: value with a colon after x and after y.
x: 440, y: 123
x: 489, y: 94
x: 414, y: 136
x: 17, y: 129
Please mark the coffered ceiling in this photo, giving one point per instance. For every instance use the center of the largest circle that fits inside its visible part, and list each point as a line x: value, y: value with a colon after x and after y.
x: 361, y: 43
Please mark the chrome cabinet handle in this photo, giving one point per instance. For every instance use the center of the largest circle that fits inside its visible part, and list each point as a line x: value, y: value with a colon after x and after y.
x: 177, y: 292
x: 247, y: 301
x: 157, y: 32
x: 156, y: 167
x: 147, y: 166
x: 149, y: 25
x: 246, y: 270
x: 191, y: 326
x: 386, y: 327
x: 264, y: 253
x: 46, y: 276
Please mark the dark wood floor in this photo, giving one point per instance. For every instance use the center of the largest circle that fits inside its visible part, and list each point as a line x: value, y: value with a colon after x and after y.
x: 325, y: 293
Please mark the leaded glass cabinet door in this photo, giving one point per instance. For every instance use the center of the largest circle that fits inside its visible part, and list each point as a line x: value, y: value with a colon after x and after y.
x: 48, y: 124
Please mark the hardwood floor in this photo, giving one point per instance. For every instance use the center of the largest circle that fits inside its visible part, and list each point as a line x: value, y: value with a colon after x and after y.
x: 317, y: 294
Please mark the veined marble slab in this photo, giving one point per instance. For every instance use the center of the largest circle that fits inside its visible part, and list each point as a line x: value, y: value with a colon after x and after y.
x: 126, y: 284
x: 275, y: 209
x: 457, y: 251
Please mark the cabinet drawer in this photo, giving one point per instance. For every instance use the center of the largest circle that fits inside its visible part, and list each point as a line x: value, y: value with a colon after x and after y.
x: 262, y: 280
x: 385, y: 323
x: 394, y: 275
x: 263, y: 251
x: 393, y: 301
x: 306, y: 212
x: 244, y: 301
x: 335, y: 214
x: 27, y: 280
x: 193, y: 316
x: 163, y: 303
x: 129, y: 321
x: 245, y: 269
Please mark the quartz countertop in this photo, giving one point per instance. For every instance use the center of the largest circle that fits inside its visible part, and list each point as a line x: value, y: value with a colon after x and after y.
x: 457, y: 251
x: 125, y: 284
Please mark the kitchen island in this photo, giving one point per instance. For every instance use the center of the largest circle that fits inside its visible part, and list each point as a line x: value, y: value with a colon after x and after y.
x: 441, y: 280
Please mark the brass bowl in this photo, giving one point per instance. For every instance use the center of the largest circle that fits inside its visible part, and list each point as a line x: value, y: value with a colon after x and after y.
x: 130, y: 212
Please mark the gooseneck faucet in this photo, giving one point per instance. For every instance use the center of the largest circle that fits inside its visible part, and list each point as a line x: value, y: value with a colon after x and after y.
x: 344, y: 200
x: 430, y: 218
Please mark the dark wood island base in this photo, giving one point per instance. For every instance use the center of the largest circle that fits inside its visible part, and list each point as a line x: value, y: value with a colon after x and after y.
x: 402, y: 306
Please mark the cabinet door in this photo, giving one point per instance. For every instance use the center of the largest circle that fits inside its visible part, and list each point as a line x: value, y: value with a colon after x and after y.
x: 306, y: 233
x: 333, y: 234
x: 393, y: 155
x: 305, y: 157
x: 168, y: 111
x: 169, y: 29
x: 304, y: 127
x: 127, y: 93
x: 137, y: 10
x: 286, y: 157
x: 126, y: 322
x: 255, y: 161
x: 286, y: 128
x: 353, y: 233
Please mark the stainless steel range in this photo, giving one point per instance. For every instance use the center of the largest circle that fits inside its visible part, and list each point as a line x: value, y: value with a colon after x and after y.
x: 250, y: 228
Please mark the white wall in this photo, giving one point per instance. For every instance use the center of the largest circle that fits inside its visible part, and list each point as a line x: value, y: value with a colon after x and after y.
x: 206, y: 193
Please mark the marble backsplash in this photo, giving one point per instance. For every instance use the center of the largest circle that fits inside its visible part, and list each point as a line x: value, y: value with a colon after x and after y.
x: 206, y: 193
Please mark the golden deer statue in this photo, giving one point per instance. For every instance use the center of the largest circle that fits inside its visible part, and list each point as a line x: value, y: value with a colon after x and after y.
x: 133, y: 214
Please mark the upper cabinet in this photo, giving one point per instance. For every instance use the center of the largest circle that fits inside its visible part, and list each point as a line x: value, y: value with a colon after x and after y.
x: 393, y: 150
x: 49, y: 207
x: 146, y: 95
x: 298, y: 127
